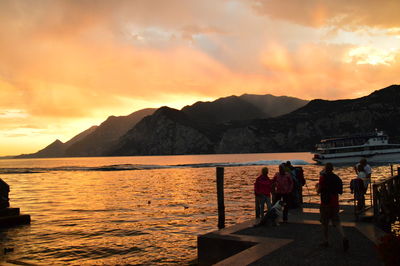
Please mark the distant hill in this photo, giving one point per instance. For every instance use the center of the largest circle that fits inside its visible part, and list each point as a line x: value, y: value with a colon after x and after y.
x: 94, y: 141
x: 57, y: 148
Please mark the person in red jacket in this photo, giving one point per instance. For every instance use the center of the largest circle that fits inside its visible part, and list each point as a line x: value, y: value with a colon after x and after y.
x: 283, y: 186
x: 262, y: 192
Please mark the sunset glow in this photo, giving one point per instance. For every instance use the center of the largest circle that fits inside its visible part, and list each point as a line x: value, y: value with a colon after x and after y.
x: 67, y: 65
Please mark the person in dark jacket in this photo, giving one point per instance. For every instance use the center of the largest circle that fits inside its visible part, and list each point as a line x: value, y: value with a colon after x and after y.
x: 262, y: 192
x: 329, y: 187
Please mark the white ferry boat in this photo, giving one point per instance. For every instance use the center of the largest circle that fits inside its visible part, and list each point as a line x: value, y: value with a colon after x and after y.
x: 374, y: 147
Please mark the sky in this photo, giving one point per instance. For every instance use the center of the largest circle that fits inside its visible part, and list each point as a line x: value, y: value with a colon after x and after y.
x: 66, y: 65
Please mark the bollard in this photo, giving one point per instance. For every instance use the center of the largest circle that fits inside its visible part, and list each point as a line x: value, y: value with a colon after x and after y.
x: 220, y: 197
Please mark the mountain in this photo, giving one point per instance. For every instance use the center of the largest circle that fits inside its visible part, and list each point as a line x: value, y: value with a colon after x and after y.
x: 223, y: 110
x: 168, y: 131
x: 244, y: 107
x: 244, y: 124
x: 106, y: 135
x: 198, y: 128
x: 273, y: 106
x: 194, y: 131
x: 205, y: 117
x: 301, y: 129
x: 80, y: 136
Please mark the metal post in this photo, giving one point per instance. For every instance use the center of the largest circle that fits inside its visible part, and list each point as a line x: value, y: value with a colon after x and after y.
x: 220, y: 197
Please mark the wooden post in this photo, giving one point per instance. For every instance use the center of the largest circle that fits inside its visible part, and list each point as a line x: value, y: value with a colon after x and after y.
x: 391, y: 169
x: 220, y: 197
x: 398, y: 171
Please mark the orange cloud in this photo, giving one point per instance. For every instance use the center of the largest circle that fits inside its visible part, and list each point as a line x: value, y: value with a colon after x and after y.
x: 67, y: 65
x: 324, y: 71
x: 339, y: 13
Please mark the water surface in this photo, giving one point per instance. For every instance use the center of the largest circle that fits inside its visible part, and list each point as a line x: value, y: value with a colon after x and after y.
x: 134, y: 210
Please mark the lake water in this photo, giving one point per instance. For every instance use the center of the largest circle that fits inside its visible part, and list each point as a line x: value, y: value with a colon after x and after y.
x: 135, y: 210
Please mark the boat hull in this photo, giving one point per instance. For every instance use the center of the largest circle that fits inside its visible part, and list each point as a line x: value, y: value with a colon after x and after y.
x: 355, y: 158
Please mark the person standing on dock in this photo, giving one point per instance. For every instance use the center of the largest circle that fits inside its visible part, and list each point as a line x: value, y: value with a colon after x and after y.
x: 262, y: 192
x: 367, y: 169
x: 329, y: 187
x: 282, y: 186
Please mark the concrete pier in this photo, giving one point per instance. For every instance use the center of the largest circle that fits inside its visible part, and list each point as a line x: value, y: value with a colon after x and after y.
x: 293, y: 243
x: 11, y: 217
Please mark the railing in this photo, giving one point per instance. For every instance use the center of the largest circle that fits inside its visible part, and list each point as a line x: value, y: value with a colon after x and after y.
x: 386, y: 201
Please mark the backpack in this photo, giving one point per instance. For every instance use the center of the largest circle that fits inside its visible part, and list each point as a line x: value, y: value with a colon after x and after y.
x: 300, y: 175
x: 333, y: 185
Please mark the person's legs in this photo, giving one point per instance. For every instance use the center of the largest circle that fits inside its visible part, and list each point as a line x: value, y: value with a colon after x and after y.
x: 324, y: 219
x: 359, y: 203
x: 362, y: 201
x: 257, y: 204
x: 286, y: 207
x: 263, y: 200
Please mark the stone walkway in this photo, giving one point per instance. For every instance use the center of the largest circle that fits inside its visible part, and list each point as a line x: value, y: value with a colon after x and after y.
x: 305, y: 249
x: 293, y: 243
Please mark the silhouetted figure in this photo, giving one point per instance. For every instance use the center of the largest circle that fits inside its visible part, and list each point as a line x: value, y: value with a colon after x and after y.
x: 329, y: 187
x: 283, y: 186
x: 296, y: 196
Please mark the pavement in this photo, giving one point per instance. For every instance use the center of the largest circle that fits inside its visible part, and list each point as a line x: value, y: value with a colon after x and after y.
x: 294, y: 243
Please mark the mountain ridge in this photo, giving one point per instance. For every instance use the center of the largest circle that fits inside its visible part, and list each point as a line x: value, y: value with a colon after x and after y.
x: 213, y: 127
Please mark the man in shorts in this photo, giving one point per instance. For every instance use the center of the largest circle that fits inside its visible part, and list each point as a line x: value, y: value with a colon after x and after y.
x: 329, y: 187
